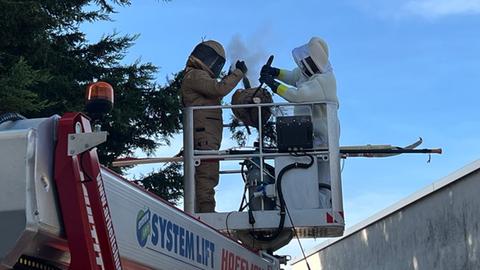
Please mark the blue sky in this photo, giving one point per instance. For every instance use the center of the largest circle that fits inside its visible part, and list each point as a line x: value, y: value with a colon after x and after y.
x: 404, y: 69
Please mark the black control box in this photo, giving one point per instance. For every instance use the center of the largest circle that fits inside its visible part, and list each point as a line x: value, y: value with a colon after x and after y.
x: 294, y: 133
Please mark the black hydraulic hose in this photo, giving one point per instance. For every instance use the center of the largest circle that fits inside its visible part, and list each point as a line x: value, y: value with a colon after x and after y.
x: 287, y: 168
x: 324, y: 186
x: 244, y: 199
x: 281, y: 224
x: 11, y: 116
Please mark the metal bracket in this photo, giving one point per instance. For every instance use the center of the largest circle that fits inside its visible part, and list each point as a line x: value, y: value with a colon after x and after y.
x: 81, y: 142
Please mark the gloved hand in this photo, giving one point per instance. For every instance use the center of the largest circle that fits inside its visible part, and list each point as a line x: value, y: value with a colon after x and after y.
x: 241, y: 65
x: 270, y: 81
x: 269, y: 71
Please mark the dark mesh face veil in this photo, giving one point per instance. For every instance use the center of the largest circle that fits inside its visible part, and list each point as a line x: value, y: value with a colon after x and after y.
x: 304, y: 68
x: 312, y: 66
x: 209, y: 57
x: 308, y: 67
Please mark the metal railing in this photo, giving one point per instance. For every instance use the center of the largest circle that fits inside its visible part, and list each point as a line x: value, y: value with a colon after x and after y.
x: 194, y: 157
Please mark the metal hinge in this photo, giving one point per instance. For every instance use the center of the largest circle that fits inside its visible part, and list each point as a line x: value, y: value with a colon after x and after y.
x: 81, y: 142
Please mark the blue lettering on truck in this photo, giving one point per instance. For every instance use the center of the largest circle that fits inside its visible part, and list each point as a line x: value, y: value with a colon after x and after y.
x: 165, y: 236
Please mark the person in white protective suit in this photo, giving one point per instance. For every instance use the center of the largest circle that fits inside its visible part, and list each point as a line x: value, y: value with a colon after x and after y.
x: 312, y: 81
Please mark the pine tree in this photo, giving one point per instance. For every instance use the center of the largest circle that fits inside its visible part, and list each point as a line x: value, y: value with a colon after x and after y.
x: 46, y: 62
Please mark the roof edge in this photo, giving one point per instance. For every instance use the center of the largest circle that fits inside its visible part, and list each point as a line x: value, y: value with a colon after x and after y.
x: 416, y: 196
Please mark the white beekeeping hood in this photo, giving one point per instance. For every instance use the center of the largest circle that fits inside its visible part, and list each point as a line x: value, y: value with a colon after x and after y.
x: 312, y: 57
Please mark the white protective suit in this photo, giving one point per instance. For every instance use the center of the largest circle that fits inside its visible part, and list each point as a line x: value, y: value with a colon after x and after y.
x: 321, y: 86
x: 314, y: 81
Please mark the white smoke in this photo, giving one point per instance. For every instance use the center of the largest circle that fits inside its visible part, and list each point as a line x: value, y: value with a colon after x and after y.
x: 251, y: 51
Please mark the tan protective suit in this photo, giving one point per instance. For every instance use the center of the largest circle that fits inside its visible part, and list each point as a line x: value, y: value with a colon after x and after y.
x: 201, y: 88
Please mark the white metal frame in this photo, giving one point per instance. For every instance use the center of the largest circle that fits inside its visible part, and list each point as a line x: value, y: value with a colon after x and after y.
x: 219, y: 220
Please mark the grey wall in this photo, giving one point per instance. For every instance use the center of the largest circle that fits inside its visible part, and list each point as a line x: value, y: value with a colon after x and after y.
x: 439, y: 231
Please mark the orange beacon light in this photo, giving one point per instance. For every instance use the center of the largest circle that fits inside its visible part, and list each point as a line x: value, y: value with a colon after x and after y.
x: 99, y: 99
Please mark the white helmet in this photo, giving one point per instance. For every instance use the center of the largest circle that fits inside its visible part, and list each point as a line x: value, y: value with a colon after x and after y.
x: 312, y: 57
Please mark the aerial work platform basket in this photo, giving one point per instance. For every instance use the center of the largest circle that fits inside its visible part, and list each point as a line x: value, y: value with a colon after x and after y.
x: 300, y: 188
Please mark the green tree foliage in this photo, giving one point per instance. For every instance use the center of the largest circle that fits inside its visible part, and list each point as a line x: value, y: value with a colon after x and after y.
x: 46, y: 62
x: 168, y: 182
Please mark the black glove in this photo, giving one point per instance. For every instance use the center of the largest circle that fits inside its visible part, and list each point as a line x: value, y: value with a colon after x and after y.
x: 241, y: 65
x: 269, y: 71
x: 270, y: 81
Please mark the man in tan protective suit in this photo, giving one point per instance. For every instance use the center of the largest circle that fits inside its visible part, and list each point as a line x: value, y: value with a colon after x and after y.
x: 200, y: 87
